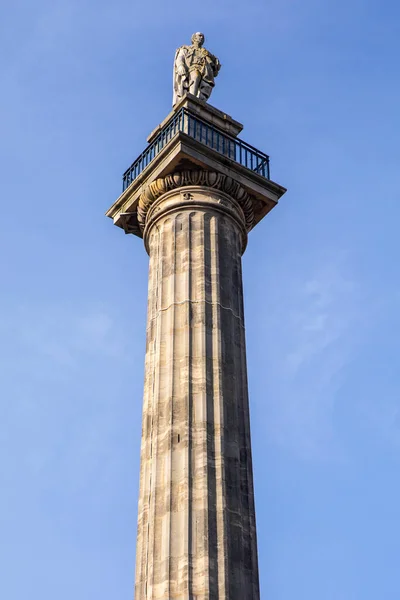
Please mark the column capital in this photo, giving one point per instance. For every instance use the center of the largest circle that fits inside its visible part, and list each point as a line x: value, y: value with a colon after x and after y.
x: 161, y: 204
x: 206, y: 179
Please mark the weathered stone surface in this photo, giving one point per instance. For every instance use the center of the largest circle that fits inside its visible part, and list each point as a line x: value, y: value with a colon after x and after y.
x: 194, y: 205
x: 196, y: 524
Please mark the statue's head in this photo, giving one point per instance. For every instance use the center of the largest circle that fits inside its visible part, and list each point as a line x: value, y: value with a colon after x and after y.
x: 198, y: 39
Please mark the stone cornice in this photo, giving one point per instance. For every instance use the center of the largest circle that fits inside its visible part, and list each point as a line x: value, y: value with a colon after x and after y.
x: 210, y: 179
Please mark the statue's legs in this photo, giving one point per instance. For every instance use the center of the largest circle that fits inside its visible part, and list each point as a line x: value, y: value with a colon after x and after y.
x: 195, y: 80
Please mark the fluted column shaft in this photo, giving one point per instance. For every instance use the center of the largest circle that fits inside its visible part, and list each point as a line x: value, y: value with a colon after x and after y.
x: 196, y: 524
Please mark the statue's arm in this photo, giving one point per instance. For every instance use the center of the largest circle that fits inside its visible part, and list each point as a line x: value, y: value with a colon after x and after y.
x: 217, y: 66
x: 180, y: 64
x: 214, y: 62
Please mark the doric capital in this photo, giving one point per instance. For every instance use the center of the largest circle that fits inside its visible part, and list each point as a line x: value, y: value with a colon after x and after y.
x: 181, y: 179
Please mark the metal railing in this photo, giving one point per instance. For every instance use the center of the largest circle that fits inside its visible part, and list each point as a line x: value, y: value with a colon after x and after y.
x: 203, y: 132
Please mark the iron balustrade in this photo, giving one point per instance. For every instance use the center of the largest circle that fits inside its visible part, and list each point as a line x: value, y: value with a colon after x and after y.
x: 203, y: 132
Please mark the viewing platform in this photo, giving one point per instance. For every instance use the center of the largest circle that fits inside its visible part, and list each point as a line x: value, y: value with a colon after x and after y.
x: 196, y: 136
x: 184, y: 121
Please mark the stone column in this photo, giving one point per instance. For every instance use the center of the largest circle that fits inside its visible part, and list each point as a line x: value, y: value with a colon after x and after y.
x: 196, y: 525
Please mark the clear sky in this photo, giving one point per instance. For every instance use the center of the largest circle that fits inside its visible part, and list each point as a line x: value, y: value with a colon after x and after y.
x: 316, y: 85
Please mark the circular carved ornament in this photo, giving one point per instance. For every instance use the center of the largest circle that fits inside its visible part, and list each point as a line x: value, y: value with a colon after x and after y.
x: 209, y: 179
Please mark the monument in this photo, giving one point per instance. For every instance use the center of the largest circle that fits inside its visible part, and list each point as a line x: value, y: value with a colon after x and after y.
x: 194, y: 70
x: 193, y: 195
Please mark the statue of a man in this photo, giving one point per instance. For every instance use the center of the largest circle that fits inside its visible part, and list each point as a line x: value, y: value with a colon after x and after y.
x: 194, y: 70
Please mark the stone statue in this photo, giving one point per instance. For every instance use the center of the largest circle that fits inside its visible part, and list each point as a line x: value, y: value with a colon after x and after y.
x: 194, y: 70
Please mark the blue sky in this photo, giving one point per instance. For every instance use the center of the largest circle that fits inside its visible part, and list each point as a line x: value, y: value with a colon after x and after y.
x: 316, y: 86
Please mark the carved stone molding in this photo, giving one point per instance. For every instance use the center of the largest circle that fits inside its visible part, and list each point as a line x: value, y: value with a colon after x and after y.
x: 210, y: 179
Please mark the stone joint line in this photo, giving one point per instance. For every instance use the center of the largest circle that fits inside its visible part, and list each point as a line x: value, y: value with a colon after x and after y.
x: 200, y: 302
